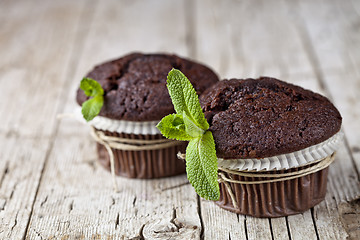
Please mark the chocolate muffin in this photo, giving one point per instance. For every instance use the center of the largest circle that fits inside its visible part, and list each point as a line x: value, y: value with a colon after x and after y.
x: 266, y: 130
x: 135, y: 99
x: 135, y: 85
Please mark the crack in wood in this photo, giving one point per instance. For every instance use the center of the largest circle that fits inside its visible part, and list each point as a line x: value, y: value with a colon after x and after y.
x: 288, y: 227
x: 66, y: 225
x: 71, y: 206
x: 140, y: 235
x: 176, y: 186
x: 178, y: 225
x: 134, y: 201
x: 6, y: 171
x: 173, y: 221
x: 314, y: 223
x: 141, y: 232
x: 44, y: 201
x: 2, y: 204
x: 112, y: 202
x: 15, y: 222
x: 38, y: 234
x: 271, y: 229
x: 200, y: 217
x: 12, y: 192
x: 117, y: 221
x: 245, y: 227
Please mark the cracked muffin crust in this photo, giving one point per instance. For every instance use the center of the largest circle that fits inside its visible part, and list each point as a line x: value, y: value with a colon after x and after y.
x: 257, y: 118
x: 135, y: 85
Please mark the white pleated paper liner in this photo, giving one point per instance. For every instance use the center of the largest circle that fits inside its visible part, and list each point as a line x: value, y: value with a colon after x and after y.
x: 285, y: 161
x: 120, y: 126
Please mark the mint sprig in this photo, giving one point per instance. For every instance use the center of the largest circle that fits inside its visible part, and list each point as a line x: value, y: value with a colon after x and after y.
x: 189, y: 124
x: 185, y: 99
x: 91, y: 108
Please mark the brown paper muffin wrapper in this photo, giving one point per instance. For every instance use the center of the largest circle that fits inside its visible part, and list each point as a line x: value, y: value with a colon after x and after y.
x: 273, y: 199
x: 144, y: 164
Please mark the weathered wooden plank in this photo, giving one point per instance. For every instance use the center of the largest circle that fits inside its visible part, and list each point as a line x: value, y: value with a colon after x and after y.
x: 301, y: 226
x: 161, y: 209
x: 19, y: 183
x: 229, y: 225
x: 280, y: 230
x: 32, y: 77
x: 258, y: 228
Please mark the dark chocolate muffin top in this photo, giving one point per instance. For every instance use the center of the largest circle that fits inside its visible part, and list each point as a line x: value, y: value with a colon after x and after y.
x: 257, y: 118
x: 135, y: 85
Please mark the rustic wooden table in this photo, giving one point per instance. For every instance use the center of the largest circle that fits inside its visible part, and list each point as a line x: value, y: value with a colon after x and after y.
x: 51, y: 186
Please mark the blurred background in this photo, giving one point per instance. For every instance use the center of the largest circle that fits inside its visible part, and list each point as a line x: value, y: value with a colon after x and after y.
x: 46, y: 47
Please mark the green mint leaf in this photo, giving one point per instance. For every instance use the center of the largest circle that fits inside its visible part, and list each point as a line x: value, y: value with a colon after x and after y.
x: 91, y: 87
x: 185, y: 99
x: 191, y: 128
x: 91, y: 108
x: 172, y: 126
x: 201, y: 166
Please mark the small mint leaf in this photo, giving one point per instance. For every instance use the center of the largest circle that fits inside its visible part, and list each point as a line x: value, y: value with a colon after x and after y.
x: 91, y: 87
x: 172, y: 126
x: 185, y: 99
x: 201, y: 166
x: 92, y: 107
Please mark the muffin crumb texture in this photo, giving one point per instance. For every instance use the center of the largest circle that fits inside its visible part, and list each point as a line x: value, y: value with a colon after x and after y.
x: 135, y: 85
x: 257, y: 118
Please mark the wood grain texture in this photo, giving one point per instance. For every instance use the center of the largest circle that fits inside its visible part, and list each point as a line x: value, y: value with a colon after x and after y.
x: 51, y: 186
x: 30, y: 64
